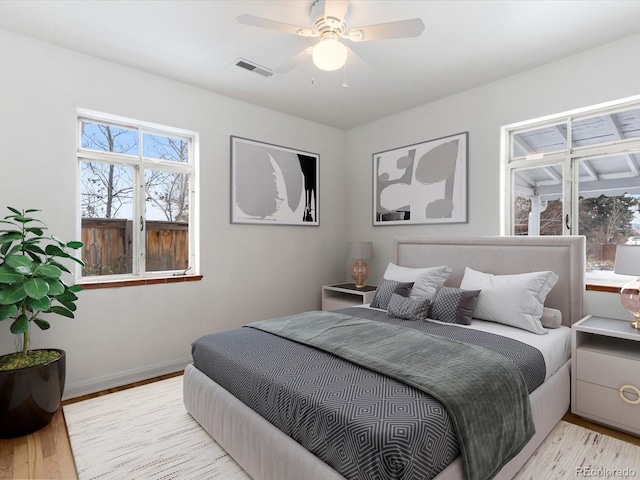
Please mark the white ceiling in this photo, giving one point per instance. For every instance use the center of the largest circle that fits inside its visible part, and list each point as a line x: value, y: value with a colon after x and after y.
x: 465, y: 44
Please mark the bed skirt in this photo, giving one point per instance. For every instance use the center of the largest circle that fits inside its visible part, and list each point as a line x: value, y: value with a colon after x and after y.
x: 266, y: 453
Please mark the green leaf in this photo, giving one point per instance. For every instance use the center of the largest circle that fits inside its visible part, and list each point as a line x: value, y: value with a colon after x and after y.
x: 48, y: 271
x: 32, y: 247
x: 55, y: 251
x: 55, y: 288
x: 36, y: 288
x: 9, y: 276
x: 59, y: 265
x: 43, y: 324
x: 22, y: 219
x: 43, y: 304
x: 12, y: 294
x: 68, y: 304
x: 67, y: 296
x: 35, y: 230
x: 75, y: 245
x: 77, y: 260
x: 20, y: 325
x: 10, y: 237
x: 61, y: 311
x: 76, y: 288
x: 8, y: 311
x: 20, y: 264
x: 17, y: 212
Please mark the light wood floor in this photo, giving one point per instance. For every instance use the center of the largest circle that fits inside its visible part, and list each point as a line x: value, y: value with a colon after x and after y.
x: 46, y: 454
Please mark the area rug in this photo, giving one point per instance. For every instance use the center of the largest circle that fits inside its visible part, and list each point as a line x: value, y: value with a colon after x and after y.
x: 571, y: 451
x: 146, y: 433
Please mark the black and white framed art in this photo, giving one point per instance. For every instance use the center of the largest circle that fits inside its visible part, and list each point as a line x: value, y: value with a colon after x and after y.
x: 273, y: 185
x: 424, y: 183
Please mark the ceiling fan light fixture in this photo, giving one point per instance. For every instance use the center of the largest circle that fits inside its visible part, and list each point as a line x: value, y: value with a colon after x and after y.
x: 329, y: 55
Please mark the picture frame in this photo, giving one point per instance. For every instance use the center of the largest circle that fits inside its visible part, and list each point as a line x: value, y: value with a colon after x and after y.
x: 423, y: 183
x: 273, y: 185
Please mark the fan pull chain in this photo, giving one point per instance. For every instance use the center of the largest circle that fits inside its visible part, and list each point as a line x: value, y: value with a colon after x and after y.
x: 313, y: 73
x: 344, y: 76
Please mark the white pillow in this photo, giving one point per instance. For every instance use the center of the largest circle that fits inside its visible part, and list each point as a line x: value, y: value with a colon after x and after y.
x: 515, y: 300
x: 425, y: 280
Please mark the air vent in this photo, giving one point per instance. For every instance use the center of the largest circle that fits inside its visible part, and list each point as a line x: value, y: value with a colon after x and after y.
x: 253, y: 67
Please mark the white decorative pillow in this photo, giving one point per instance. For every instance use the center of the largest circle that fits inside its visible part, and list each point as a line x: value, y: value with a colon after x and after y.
x: 425, y: 280
x: 515, y: 300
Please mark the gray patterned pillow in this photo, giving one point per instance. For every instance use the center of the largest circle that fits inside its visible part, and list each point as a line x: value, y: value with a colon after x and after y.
x: 454, y: 305
x: 404, y: 289
x: 409, y: 308
x: 383, y: 293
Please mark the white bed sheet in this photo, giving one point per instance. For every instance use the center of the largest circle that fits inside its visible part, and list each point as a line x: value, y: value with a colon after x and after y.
x: 555, y: 346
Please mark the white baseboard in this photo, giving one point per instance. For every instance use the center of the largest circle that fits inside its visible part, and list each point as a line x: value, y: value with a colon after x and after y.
x: 94, y: 385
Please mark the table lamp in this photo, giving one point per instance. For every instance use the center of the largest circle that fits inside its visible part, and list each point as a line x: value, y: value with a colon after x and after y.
x: 360, y: 270
x: 628, y: 263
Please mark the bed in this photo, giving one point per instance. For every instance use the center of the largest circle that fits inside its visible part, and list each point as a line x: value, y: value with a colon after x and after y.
x: 265, y: 452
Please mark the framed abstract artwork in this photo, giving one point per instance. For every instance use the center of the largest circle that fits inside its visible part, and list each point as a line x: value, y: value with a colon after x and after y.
x: 422, y: 183
x: 273, y: 185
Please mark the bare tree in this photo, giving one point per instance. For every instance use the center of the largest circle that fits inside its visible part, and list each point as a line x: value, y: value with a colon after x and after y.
x: 169, y: 191
x: 106, y: 187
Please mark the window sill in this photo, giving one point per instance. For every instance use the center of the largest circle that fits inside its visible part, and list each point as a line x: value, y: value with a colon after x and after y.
x: 606, y: 281
x: 594, y: 287
x: 135, y: 282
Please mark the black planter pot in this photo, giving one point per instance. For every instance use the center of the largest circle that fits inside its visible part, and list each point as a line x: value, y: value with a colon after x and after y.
x: 30, y: 397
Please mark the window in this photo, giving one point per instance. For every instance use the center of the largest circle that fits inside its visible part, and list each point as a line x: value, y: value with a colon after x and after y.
x: 576, y: 173
x: 137, y: 198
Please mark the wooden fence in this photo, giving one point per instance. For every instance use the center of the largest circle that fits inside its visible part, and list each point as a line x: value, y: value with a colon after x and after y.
x: 107, y: 246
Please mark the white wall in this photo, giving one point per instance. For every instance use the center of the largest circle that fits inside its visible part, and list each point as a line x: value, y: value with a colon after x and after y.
x: 250, y: 272
x: 604, y: 74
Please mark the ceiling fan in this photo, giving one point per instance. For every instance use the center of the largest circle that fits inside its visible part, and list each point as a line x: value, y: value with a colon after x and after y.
x: 329, y: 25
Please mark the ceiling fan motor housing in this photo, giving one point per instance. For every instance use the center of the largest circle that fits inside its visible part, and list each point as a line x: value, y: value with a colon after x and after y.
x: 330, y: 27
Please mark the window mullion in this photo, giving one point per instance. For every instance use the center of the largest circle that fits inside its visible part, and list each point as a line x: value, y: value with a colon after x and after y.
x: 141, y: 210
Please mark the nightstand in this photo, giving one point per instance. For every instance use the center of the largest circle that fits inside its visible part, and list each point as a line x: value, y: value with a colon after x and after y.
x: 345, y: 295
x: 605, y: 372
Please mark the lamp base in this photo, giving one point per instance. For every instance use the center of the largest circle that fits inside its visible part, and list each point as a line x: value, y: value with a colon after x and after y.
x: 359, y: 272
x: 630, y: 299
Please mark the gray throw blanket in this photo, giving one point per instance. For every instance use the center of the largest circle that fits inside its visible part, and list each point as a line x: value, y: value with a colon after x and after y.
x: 483, y: 392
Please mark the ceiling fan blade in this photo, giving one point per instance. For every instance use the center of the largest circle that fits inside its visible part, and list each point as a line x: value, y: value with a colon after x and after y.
x: 384, y: 31
x: 336, y: 9
x: 295, y: 61
x: 254, y: 21
x: 354, y: 62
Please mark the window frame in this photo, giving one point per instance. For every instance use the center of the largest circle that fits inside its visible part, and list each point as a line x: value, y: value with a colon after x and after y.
x: 140, y: 164
x: 569, y: 159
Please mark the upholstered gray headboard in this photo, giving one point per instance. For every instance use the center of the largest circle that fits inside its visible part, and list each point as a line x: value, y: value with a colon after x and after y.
x: 564, y: 255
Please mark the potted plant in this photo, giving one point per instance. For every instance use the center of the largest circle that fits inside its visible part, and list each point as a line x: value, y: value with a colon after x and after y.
x: 32, y: 381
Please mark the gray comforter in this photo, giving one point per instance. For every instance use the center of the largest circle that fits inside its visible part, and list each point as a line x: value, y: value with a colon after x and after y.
x: 364, y: 424
x: 483, y: 392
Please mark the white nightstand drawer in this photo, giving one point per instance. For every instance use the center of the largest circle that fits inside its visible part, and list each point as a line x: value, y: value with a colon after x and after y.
x: 606, y: 404
x: 607, y: 370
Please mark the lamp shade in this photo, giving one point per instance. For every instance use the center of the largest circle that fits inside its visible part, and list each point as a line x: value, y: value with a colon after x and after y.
x: 360, y: 250
x: 628, y: 260
x: 329, y: 55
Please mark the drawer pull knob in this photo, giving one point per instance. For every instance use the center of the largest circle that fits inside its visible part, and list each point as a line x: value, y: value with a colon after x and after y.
x: 636, y: 390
